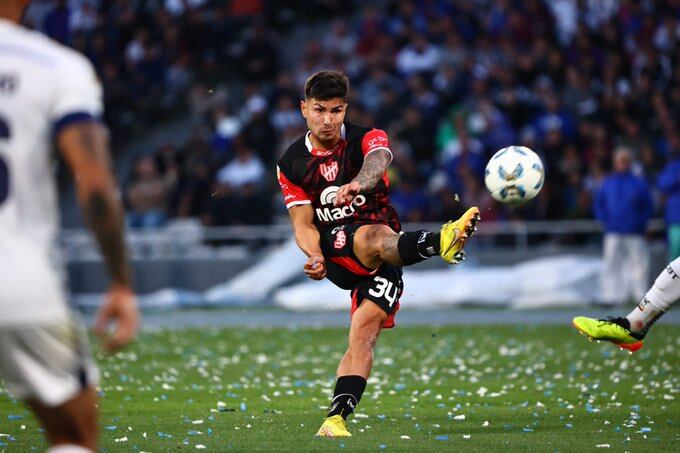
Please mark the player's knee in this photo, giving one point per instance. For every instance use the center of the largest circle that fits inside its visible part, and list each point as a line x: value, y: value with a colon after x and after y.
x: 86, y: 434
x: 76, y: 429
x: 78, y: 436
x: 371, y: 237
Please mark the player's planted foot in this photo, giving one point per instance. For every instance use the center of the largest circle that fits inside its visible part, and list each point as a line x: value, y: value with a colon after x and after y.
x: 615, y: 330
x: 334, y: 426
x: 454, y: 235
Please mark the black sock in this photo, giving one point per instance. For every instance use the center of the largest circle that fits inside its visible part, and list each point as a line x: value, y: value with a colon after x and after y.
x: 417, y: 246
x: 347, y: 394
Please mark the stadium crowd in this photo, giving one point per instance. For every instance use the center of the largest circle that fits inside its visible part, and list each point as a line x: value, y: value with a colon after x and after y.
x: 450, y: 81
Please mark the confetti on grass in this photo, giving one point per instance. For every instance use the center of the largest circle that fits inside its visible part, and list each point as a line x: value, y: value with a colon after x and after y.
x: 218, y: 369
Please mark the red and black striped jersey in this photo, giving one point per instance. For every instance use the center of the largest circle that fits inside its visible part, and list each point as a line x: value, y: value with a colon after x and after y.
x: 309, y: 175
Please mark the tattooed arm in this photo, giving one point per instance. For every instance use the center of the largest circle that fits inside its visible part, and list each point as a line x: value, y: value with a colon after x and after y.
x: 84, y: 146
x: 373, y: 169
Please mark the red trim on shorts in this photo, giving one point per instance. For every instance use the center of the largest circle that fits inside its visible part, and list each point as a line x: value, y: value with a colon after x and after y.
x: 351, y: 265
x: 387, y: 324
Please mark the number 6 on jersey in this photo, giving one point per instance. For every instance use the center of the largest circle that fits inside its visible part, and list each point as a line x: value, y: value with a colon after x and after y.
x: 4, y: 171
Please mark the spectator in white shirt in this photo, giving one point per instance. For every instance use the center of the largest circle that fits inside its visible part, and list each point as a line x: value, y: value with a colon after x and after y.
x: 417, y: 57
x: 245, y: 168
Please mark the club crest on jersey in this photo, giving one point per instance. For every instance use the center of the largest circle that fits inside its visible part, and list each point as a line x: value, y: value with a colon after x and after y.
x: 329, y: 171
x: 340, y: 240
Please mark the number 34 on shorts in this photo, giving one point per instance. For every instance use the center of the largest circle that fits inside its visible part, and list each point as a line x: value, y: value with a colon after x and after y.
x: 384, y: 288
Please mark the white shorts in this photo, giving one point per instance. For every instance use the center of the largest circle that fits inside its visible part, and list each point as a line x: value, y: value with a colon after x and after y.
x: 50, y: 363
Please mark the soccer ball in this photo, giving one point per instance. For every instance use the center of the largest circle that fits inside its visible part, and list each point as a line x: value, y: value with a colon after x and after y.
x: 514, y: 175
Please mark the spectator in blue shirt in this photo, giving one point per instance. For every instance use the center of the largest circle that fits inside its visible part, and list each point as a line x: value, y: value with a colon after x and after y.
x: 624, y: 206
x: 669, y: 184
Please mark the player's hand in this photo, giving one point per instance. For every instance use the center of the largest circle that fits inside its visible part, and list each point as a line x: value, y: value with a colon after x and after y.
x: 120, y: 308
x: 346, y: 194
x: 315, y: 267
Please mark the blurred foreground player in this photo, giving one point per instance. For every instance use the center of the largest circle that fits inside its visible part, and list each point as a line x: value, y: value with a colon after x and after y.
x: 47, y: 92
x: 335, y: 187
x: 628, y: 333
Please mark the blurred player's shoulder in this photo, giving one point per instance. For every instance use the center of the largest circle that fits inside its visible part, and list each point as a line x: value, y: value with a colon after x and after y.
x: 39, y: 50
x: 51, y: 81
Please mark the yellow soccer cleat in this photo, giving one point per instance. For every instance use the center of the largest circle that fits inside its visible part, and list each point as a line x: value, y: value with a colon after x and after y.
x: 611, y: 329
x: 334, y: 426
x: 455, y: 234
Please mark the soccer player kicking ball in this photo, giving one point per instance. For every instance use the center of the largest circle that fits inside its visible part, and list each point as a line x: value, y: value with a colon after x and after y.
x: 49, y: 92
x: 335, y: 187
x: 628, y: 333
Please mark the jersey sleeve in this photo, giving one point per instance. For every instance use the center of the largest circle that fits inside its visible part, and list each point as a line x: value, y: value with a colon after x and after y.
x: 77, y: 94
x: 292, y: 194
x: 374, y: 140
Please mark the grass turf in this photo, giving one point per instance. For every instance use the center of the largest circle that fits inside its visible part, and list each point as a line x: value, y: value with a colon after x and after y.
x: 484, y: 388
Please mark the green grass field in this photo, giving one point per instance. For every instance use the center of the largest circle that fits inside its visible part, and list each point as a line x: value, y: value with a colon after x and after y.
x: 484, y: 388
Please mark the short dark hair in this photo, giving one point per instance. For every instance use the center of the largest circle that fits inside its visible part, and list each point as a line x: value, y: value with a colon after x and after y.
x: 325, y: 85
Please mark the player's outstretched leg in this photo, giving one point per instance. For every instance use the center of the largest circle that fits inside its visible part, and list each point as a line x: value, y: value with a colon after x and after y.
x: 72, y: 426
x: 374, y: 244
x: 628, y: 332
x: 354, y: 368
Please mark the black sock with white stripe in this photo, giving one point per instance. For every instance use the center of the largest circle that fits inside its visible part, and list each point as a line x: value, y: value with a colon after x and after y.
x: 417, y: 246
x: 347, y: 394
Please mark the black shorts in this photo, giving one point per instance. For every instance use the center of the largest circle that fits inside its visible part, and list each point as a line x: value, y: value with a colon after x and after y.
x: 382, y: 286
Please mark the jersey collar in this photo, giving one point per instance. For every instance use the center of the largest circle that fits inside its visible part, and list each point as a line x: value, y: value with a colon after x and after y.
x: 322, y: 151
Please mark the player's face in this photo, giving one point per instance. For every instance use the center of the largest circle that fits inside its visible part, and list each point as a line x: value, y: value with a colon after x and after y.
x: 324, y: 118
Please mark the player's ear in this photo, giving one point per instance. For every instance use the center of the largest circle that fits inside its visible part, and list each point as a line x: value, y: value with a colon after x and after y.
x: 303, y: 108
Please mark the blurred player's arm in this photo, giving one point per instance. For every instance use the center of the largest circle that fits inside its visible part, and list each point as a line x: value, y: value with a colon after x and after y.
x: 84, y: 146
x: 308, y: 239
